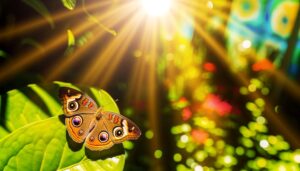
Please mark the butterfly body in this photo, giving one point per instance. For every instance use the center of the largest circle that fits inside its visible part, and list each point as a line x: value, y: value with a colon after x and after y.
x: 98, y: 128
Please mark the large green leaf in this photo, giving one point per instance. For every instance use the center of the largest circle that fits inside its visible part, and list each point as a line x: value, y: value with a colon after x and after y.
x: 20, y: 110
x: 43, y: 145
x: 3, y: 132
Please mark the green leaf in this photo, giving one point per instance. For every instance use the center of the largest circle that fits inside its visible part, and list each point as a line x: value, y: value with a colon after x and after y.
x: 43, y: 145
x: 20, y: 110
x: 105, y: 100
x: 64, y: 84
x: 53, y: 106
x: 109, y: 164
x: 41, y: 9
x: 33, y: 43
x: 3, y: 54
x: 82, y: 40
x: 69, y: 4
x: 3, y: 132
x: 71, y: 38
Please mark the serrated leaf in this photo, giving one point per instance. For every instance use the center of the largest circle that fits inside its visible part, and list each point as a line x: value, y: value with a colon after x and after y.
x: 39, y: 7
x: 69, y: 4
x: 43, y: 146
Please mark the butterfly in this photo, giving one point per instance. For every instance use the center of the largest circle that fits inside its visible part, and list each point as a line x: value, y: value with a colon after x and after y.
x: 98, y: 128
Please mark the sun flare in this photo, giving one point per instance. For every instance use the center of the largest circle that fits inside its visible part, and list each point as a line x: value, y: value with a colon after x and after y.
x: 156, y: 7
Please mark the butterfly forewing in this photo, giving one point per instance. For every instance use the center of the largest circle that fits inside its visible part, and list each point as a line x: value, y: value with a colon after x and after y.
x: 75, y: 102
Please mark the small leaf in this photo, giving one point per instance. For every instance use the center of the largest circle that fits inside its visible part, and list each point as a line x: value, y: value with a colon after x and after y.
x: 41, y: 9
x: 82, y: 40
x: 71, y: 38
x: 3, y: 54
x: 33, y: 43
x: 69, y: 4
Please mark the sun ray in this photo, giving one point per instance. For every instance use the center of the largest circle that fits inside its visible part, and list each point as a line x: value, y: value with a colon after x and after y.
x: 32, y: 56
x: 103, y: 58
x: 65, y: 63
x: 21, y: 61
x: 33, y: 24
x: 193, y: 8
x: 138, y: 82
x: 119, y: 54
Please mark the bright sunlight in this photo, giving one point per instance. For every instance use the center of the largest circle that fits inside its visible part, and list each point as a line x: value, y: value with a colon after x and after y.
x: 156, y: 7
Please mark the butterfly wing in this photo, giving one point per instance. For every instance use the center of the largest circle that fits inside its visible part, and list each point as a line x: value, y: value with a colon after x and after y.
x: 75, y: 102
x: 110, y: 129
x: 79, y: 110
x: 79, y: 126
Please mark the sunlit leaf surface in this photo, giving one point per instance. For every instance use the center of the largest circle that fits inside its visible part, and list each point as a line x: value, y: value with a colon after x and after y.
x: 38, y: 143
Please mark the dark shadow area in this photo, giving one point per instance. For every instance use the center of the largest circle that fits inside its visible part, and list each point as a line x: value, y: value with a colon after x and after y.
x: 111, y: 152
x: 62, y: 118
x: 74, y: 146
x: 36, y: 99
x: 3, y: 101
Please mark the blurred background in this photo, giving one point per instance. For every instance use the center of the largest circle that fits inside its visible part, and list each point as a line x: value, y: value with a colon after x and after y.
x: 213, y: 84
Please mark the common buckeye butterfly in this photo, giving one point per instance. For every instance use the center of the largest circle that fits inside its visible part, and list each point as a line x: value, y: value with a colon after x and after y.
x: 98, y: 128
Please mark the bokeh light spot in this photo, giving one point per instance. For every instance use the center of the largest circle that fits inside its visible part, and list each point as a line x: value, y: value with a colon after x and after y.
x: 264, y: 143
x: 149, y: 134
x: 158, y: 154
x: 177, y: 157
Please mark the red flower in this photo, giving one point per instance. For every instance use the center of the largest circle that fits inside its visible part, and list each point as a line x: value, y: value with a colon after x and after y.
x: 199, y: 136
x: 210, y: 67
x: 186, y: 114
x: 215, y: 104
x: 263, y: 64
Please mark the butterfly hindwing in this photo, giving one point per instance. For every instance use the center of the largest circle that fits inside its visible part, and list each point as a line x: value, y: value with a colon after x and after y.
x: 79, y: 126
x: 99, y: 138
x: 112, y: 128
